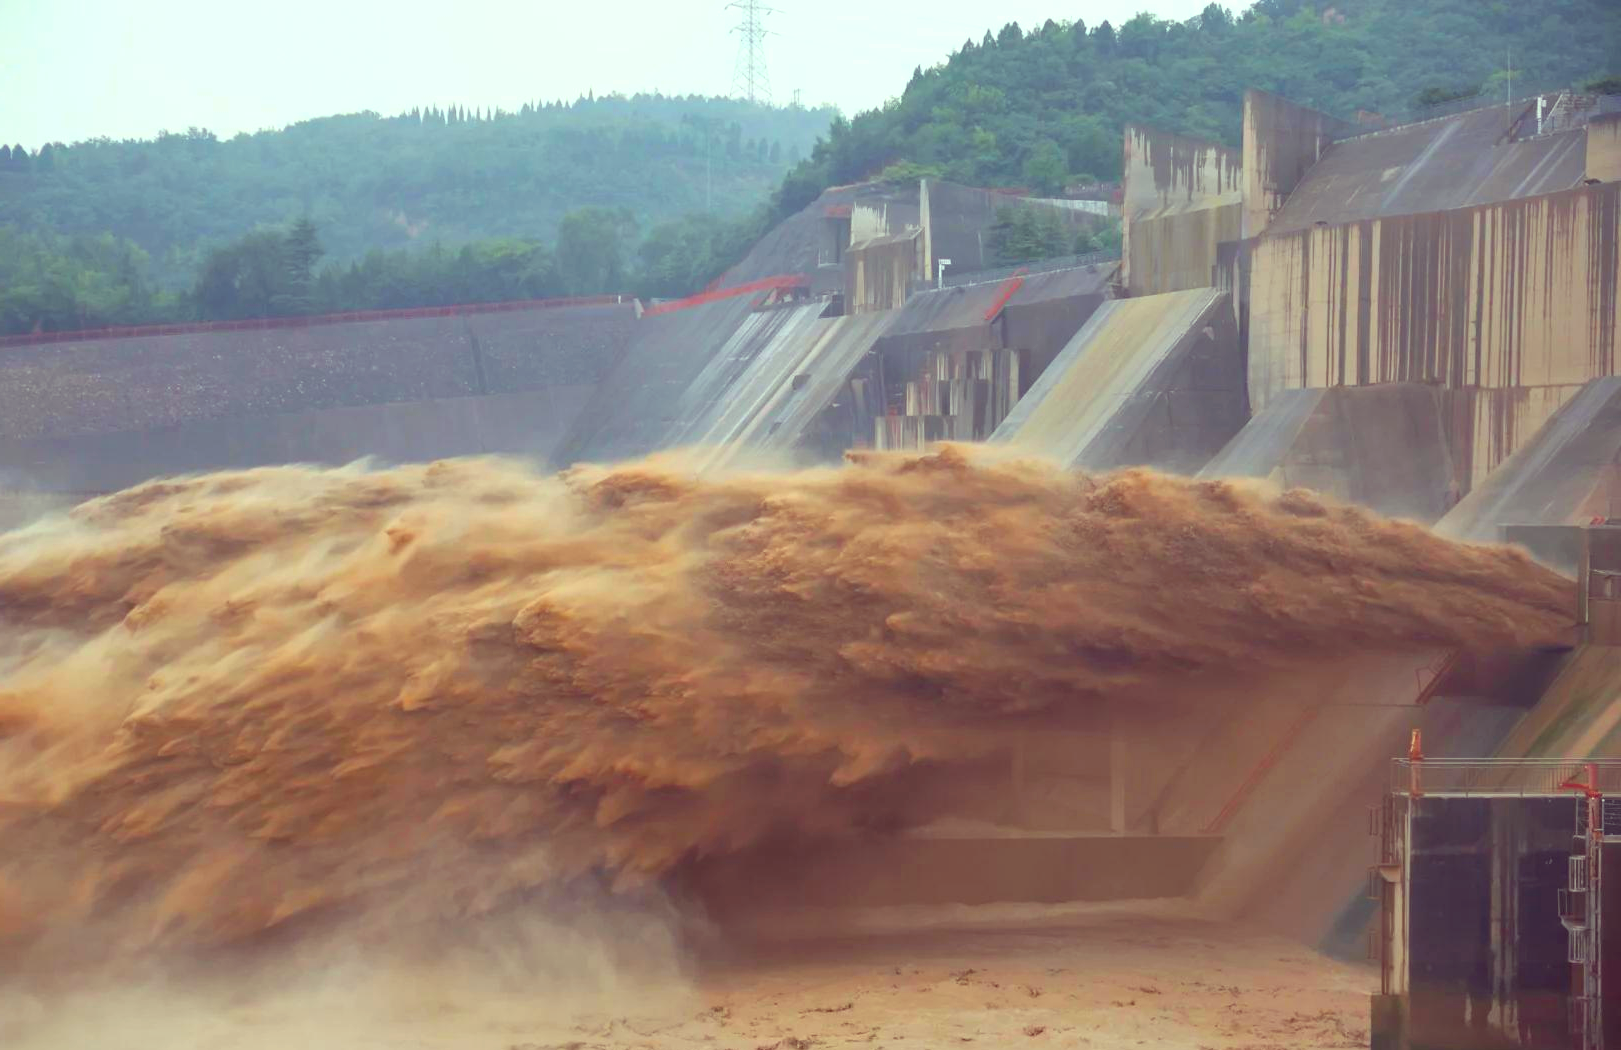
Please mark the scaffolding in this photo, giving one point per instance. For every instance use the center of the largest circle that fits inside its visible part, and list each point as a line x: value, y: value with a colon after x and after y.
x: 1503, y: 777
x: 1597, y: 819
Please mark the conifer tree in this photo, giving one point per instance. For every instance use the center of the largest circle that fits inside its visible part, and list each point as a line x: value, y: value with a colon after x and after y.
x: 1103, y: 38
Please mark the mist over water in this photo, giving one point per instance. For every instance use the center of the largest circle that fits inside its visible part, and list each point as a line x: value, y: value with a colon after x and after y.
x: 253, y: 709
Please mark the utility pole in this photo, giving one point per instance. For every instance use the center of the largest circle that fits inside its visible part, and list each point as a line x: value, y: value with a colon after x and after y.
x: 707, y: 126
x: 750, y: 80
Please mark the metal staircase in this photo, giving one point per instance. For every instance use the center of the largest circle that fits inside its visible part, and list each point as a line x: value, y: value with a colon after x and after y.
x: 1597, y: 818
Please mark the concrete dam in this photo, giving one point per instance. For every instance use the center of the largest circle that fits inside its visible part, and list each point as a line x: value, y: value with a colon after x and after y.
x: 1246, y: 595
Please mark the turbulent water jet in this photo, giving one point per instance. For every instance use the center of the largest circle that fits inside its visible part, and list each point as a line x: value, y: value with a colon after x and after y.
x: 237, y: 701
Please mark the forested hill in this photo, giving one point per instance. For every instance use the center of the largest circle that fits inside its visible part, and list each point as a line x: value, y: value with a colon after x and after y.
x: 433, y: 175
x: 658, y: 195
x: 1041, y: 105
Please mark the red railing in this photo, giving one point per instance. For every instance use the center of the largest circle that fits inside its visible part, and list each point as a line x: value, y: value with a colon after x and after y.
x: 1006, y: 293
x: 1218, y: 823
x: 1437, y: 669
x: 257, y: 323
x: 764, y: 284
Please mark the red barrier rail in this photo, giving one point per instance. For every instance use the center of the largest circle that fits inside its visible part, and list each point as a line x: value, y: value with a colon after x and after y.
x: 1218, y: 823
x: 257, y: 323
x: 764, y: 284
x: 1007, y: 292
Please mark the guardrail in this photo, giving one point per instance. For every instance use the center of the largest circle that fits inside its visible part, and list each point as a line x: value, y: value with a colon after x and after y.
x: 1609, y: 815
x: 780, y: 282
x: 305, y: 320
x: 1002, y: 273
x: 1420, y: 114
x: 1503, y: 777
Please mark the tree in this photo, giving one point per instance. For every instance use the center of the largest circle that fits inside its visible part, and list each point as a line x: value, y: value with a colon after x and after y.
x: 242, y: 280
x: 906, y: 173
x: 1011, y: 34
x: 1104, y: 239
x: 591, y: 249
x: 1604, y: 86
x: 1045, y: 170
x: 678, y: 258
x: 1141, y: 37
x: 1103, y: 39
x: 383, y: 185
x: 388, y: 183
x: 267, y: 273
x: 1026, y: 234
x: 1435, y: 96
x: 1215, y: 19
x: 50, y: 283
x: 301, y: 250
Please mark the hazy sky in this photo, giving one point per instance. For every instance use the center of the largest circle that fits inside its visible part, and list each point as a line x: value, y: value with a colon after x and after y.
x: 74, y: 69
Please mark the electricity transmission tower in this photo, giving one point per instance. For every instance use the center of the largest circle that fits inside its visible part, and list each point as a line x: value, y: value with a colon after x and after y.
x: 750, y: 79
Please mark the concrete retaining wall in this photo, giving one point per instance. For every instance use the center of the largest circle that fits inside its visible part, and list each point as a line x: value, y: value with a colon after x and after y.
x: 523, y: 424
x: 1515, y: 302
x: 139, y: 384
x: 1181, y: 198
x: 968, y: 870
x: 1281, y: 143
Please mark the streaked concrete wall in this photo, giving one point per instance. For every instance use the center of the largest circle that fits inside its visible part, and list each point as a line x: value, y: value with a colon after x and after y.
x: 1281, y: 143
x: 1181, y: 197
x: 1566, y: 473
x: 1174, y: 249
x: 1604, y: 148
x: 881, y: 216
x: 1515, y: 303
x: 1387, y: 447
x: 878, y: 274
x: 960, y: 395
x: 1152, y: 380
x: 1162, y: 169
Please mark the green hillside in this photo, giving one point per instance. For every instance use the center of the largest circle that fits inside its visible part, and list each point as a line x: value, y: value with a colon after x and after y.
x: 658, y: 195
x: 371, y: 182
x: 1038, y: 106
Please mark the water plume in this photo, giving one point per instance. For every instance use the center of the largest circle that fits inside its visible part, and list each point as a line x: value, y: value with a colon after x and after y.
x: 262, y: 701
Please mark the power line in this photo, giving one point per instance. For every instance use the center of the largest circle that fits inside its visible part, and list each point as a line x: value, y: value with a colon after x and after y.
x: 750, y: 79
